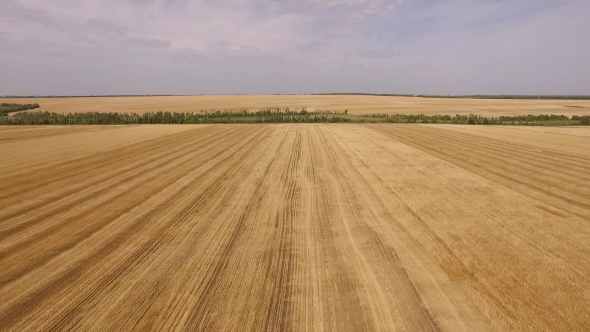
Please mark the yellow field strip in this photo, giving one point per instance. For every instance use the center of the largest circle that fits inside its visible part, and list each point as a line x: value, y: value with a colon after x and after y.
x: 354, y: 104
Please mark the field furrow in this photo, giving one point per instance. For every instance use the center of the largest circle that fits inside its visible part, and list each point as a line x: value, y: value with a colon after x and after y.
x: 565, y: 187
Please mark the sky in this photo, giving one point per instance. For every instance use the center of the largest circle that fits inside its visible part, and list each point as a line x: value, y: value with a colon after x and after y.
x: 97, y: 47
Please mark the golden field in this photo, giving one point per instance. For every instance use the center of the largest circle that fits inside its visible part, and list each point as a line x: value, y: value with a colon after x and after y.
x: 354, y: 104
x: 294, y: 227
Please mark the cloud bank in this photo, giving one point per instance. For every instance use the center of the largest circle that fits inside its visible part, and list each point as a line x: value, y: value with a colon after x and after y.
x: 294, y: 46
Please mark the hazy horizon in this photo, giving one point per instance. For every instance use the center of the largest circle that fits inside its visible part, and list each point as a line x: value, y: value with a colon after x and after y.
x: 229, y: 47
x: 291, y: 94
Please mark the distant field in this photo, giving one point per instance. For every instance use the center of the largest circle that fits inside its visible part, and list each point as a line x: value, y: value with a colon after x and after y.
x: 354, y: 104
x: 349, y: 227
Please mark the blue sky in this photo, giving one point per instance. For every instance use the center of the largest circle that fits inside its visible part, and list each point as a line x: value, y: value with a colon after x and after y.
x: 294, y: 46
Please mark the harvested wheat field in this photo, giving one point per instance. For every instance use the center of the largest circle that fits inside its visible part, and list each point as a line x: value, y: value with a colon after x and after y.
x: 355, y: 104
x: 295, y: 228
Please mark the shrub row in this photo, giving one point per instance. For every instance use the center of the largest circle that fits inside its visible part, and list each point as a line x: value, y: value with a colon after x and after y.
x: 6, y: 108
x: 473, y: 119
x: 277, y: 115
x: 214, y: 116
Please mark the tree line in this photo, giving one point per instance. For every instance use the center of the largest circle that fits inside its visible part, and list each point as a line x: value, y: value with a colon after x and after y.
x: 277, y: 115
x: 472, y: 119
x: 89, y: 96
x: 6, y: 108
x: 544, y: 97
x: 269, y: 115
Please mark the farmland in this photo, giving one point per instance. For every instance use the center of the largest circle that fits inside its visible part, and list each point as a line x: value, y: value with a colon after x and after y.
x: 353, y: 103
x: 294, y: 227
